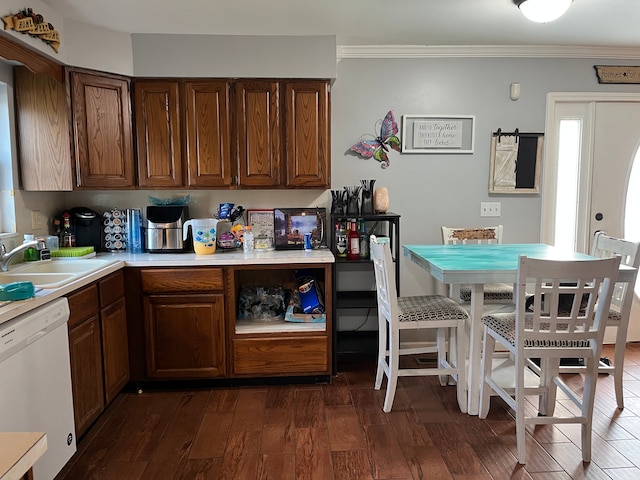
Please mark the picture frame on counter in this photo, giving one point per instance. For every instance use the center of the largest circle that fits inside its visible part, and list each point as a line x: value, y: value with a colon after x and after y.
x: 438, y: 133
x: 261, y: 221
x: 291, y: 224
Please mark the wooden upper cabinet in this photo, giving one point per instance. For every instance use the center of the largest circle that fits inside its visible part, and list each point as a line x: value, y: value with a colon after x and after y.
x: 43, y: 129
x: 157, y: 121
x: 258, y: 133
x: 207, y: 133
x: 307, y: 134
x: 103, y: 141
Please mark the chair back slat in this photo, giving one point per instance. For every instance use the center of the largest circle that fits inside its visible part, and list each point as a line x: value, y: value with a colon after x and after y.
x: 570, y: 300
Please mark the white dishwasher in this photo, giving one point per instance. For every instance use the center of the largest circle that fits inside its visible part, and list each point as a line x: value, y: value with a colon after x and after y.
x: 35, y: 382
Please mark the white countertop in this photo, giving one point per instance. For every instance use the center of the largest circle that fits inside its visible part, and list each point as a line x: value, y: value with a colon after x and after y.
x: 121, y: 260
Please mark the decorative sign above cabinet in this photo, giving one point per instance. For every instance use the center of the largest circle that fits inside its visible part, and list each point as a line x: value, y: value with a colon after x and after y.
x: 617, y: 74
x: 30, y: 23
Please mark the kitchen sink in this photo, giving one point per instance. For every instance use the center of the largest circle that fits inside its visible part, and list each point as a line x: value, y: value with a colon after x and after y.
x: 61, y: 266
x: 39, y: 280
x: 54, y: 273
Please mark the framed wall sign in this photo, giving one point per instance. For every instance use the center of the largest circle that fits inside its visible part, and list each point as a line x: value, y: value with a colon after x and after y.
x: 438, y: 133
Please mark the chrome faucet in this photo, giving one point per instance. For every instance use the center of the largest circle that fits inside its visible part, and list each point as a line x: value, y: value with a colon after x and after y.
x: 6, y: 257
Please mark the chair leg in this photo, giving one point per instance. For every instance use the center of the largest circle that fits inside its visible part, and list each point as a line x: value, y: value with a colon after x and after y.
x: 487, y: 360
x: 550, y: 368
x: 442, y: 354
x: 394, y: 359
x: 519, y: 411
x: 618, y: 363
x: 382, y: 349
x: 462, y: 389
x: 588, y: 399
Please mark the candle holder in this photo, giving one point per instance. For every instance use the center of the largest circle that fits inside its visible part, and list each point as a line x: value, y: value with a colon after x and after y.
x: 353, y: 195
x: 338, y: 201
x: 366, y: 205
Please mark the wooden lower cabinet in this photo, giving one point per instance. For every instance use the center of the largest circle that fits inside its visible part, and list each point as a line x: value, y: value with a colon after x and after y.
x: 183, y: 324
x: 184, y: 336
x: 98, y: 347
x: 86, y: 373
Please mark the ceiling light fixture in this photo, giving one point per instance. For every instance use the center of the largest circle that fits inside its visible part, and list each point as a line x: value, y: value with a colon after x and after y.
x: 543, y: 11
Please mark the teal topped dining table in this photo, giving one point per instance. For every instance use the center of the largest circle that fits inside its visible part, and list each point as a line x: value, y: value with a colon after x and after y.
x: 478, y: 265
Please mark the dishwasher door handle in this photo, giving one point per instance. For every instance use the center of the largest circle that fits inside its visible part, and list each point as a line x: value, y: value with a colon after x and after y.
x: 36, y: 336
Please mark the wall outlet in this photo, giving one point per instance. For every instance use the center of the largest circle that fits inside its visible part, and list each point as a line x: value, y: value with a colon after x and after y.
x: 489, y: 209
x: 36, y: 220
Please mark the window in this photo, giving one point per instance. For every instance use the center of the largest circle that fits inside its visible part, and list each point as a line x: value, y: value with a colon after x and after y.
x: 7, y: 203
x: 631, y: 221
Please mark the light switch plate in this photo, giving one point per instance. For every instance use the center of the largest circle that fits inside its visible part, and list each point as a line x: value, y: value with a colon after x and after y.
x: 36, y: 219
x: 489, y: 209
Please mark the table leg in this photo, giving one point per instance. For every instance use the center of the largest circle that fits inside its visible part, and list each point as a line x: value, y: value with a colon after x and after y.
x: 475, y: 348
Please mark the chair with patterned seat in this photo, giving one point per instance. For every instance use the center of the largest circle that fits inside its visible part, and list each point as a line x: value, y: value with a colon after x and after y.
x: 629, y: 252
x: 551, y: 331
x: 397, y: 314
x: 493, y: 293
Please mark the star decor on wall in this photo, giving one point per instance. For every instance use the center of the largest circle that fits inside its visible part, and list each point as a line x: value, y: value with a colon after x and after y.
x: 34, y: 25
x: 378, y: 147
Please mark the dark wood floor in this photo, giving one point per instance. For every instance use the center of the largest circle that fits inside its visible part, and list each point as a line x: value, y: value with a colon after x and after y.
x: 338, y: 431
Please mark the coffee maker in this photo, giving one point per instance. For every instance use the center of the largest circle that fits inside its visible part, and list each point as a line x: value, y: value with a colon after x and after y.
x: 87, y: 227
x: 163, y: 231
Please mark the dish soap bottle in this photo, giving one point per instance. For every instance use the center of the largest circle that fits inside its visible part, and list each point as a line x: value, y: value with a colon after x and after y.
x: 68, y: 236
x: 30, y: 254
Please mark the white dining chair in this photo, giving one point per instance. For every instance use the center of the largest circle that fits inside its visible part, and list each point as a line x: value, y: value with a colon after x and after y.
x: 493, y: 292
x: 629, y: 252
x: 396, y: 314
x: 549, y: 333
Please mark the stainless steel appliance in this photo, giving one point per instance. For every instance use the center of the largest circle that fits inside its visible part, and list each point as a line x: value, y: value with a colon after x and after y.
x: 163, y: 233
x: 35, y: 375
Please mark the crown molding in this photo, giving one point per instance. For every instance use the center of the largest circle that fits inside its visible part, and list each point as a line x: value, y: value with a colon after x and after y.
x: 496, y: 51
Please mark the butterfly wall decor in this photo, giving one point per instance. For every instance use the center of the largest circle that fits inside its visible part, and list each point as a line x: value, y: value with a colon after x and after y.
x: 379, y: 146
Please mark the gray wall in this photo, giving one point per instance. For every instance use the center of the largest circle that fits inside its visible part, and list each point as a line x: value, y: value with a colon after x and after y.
x: 430, y: 190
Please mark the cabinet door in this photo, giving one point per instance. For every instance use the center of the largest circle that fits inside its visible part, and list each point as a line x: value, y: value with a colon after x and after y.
x: 207, y: 132
x: 86, y: 373
x: 115, y: 346
x: 307, y: 119
x: 184, y: 336
x: 156, y: 108
x: 44, y: 132
x: 102, y: 131
x: 259, y: 133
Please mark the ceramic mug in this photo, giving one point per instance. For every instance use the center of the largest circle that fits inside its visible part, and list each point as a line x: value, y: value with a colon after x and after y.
x: 204, y: 234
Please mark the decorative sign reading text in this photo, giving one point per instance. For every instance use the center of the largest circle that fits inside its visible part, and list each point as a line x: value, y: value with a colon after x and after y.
x: 617, y: 74
x: 437, y: 134
x: 34, y: 25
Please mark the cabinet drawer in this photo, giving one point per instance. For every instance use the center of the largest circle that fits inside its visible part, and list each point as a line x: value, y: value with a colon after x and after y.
x: 173, y: 280
x: 111, y: 288
x: 82, y: 305
x: 282, y: 356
